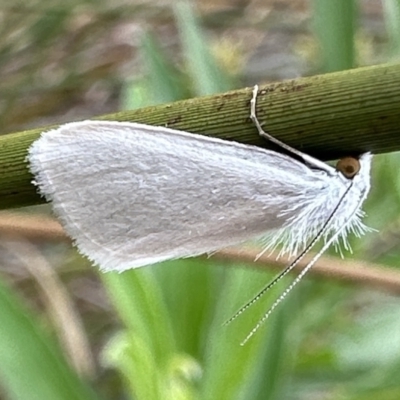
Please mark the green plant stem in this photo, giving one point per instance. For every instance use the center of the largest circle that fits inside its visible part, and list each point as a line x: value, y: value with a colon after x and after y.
x: 328, y: 116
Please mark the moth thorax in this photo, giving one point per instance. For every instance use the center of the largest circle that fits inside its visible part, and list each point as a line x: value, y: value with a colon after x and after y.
x: 348, y: 166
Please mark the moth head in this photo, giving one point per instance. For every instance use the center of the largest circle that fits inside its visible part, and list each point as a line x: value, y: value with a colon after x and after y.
x: 348, y: 166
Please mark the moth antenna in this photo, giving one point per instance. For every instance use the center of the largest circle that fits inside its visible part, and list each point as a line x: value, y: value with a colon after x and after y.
x: 307, y: 267
x: 292, y: 265
x: 270, y: 284
x: 289, y: 288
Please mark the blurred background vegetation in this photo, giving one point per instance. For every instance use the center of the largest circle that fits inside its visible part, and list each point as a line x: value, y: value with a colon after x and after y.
x: 69, y: 332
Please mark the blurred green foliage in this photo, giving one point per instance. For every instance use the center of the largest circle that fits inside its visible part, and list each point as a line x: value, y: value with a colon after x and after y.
x: 326, y: 341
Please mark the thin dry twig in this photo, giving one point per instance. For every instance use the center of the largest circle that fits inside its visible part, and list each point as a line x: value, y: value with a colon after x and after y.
x: 377, y: 276
x: 359, y: 272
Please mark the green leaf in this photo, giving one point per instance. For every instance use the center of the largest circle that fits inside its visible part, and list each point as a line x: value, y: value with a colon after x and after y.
x: 334, y: 26
x: 207, y: 77
x: 32, y: 366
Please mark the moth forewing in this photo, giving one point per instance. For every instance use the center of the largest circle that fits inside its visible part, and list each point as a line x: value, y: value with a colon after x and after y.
x: 131, y: 195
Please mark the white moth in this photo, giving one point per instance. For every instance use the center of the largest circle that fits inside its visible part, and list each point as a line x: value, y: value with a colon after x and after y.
x: 130, y: 194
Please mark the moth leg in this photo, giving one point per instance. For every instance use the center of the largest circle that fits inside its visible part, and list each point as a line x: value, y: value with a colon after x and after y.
x: 261, y: 132
x: 253, y: 115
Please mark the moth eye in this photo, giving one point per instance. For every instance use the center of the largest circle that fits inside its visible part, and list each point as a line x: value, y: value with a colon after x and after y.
x: 348, y: 166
